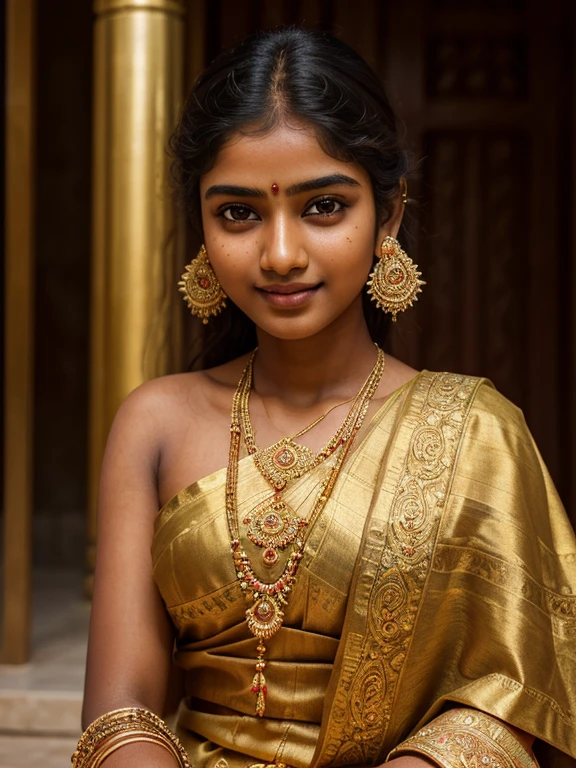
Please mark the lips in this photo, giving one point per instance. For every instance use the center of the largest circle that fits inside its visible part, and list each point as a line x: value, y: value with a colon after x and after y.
x: 288, y: 295
x: 288, y: 288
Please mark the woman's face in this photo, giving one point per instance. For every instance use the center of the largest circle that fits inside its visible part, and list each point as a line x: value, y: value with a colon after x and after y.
x: 289, y: 230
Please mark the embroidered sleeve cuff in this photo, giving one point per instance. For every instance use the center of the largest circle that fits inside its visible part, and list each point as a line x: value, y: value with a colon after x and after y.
x: 465, y: 737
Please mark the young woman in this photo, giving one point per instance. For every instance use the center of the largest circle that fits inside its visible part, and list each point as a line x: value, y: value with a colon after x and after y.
x: 366, y: 563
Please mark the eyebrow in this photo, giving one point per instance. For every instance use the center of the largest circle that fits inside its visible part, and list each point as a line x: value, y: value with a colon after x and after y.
x: 332, y: 180
x: 230, y: 189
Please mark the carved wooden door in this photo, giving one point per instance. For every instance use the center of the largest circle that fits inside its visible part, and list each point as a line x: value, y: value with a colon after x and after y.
x: 486, y: 91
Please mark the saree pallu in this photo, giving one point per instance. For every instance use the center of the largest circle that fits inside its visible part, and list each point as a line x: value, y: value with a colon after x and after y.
x: 442, y: 572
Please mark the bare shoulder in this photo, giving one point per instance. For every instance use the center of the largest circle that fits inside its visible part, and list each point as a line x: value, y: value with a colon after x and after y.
x: 177, y: 427
x: 396, y: 374
x: 147, y: 408
x: 178, y: 396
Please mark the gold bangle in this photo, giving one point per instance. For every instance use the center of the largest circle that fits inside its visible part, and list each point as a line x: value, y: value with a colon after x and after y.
x: 112, y: 730
x: 464, y: 737
x: 115, y: 743
x: 112, y: 745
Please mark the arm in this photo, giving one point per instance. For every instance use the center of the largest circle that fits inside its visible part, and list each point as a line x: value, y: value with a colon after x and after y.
x: 130, y: 644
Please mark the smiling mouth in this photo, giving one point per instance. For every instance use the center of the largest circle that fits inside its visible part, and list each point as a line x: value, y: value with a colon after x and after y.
x: 288, y: 289
x: 288, y: 295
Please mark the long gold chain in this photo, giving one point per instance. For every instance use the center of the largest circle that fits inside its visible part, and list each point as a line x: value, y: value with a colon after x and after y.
x: 265, y: 614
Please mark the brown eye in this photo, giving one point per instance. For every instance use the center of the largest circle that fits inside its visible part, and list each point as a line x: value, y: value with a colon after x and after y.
x: 326, y: 207
x: 238, y: 213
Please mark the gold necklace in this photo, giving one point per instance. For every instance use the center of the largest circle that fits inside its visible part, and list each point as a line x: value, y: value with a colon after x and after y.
x: 314, y: 423
x: 286, y: 460
x: 265, y: 614
x: 273, y: 525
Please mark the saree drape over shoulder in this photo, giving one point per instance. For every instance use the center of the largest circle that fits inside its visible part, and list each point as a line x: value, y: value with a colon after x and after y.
x: 442, y: 572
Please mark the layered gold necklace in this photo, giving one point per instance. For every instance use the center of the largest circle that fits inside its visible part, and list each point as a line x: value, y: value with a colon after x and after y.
x: 272, y: 525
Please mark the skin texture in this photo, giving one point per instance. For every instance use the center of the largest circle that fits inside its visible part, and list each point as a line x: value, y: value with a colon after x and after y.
x: 325, y: 236
x: 312, y: 355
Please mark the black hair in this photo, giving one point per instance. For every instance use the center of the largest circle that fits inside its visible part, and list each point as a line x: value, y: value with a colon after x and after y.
x: 276, y: 76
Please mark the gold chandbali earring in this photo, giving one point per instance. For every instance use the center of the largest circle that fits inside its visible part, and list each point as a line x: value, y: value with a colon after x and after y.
x: 202, y: 291
x: 265, y: 614
x: 395, y: 283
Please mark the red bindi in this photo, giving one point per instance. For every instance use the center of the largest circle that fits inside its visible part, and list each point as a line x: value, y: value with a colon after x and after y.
x: 275, y: 189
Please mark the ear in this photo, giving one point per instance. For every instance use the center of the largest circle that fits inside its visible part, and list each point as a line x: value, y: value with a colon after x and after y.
x: 392, y: 225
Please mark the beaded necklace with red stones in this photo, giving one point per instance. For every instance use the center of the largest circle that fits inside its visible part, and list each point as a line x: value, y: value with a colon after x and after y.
x: 265, y: 614
x: 272, y: 524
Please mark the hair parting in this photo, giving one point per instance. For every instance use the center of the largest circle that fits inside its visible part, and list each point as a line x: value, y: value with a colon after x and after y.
x: 270, y: 78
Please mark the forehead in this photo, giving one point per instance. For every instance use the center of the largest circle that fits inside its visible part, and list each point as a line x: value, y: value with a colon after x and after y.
x: 287, y: 154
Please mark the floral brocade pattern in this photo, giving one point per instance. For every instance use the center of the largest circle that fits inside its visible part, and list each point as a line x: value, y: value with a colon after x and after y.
x: 394, y: 573
x: 467, y: 738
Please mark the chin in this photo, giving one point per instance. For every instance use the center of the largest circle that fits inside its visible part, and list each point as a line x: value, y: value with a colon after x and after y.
x: 302, y: 324
x: 293, y: 328
x: 288, y: 333
x: 296, y: 336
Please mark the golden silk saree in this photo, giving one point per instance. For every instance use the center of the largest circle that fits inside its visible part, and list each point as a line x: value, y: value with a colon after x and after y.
x: 442, y: 572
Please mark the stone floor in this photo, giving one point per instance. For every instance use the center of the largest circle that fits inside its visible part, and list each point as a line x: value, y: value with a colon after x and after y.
x: 40, y: 701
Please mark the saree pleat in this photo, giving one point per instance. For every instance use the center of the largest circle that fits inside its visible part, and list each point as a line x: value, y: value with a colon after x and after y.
x: 442, y: 571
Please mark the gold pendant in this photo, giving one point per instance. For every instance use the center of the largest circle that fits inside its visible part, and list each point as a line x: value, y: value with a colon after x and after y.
x: 273, y: 525
x: 265, y: 617
x: 259, y: 686
x: 284, y: 461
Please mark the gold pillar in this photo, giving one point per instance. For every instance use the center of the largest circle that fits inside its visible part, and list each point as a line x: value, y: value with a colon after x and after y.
x: 137, y: 238
x: 19, y: 330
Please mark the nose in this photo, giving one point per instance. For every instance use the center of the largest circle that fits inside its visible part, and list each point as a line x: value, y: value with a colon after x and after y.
x: 282, y: 249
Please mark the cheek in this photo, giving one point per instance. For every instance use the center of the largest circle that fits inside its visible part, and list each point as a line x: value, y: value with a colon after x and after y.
x: 231, y: 262
x: 357, y: 252
x: 354, y: 242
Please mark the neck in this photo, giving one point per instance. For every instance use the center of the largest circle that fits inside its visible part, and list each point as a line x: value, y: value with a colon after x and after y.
x: 332, y: 364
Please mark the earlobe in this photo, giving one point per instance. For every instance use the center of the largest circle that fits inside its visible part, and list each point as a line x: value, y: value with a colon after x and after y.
x: 391, y: 226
